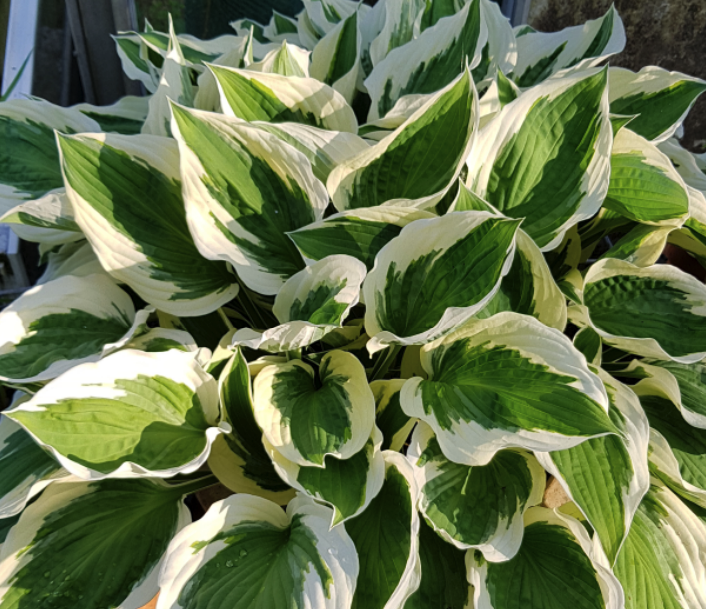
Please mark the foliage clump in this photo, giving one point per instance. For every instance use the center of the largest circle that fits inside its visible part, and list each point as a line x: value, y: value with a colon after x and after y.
x: 387, y: 268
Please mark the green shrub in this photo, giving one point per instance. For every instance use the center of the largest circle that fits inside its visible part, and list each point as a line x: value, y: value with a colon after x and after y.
x: 388, y: 267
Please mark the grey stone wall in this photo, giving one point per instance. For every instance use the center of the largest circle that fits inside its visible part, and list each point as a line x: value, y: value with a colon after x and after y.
x: 666, y: 33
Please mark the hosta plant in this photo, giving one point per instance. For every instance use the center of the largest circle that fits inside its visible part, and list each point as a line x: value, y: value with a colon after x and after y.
x: 381, y: 273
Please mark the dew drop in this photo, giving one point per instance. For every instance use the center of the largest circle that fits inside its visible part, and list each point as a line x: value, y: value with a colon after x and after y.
x: 243, y: 553
x: 229, y: 563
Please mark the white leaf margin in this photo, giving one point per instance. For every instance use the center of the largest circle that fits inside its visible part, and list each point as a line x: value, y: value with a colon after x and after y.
x: 336, y: 547
x: 505, y: 542
x: 611, y: 590
x: 93, y: 380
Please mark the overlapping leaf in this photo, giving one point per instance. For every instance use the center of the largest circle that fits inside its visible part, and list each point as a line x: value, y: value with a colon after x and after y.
x: 506, y: 382
x: 309, y: 305
x: 238, y: 457
x: 656, y: 311
x: 435, y: 275
x: 416, y: 163
x: 386, y: 538
x: 246, y: 552
x: 479, y: 507
x: 541, y: 55
x: 126, y: 194
x: 244, y: 189
x: 256, y: 96
x: 289, y: 397
x: 147, y: 414
x: 556, y: 563
x: 360, y: 233
x: 607, y: 477
x: 428, y: 63
x: 94, y: 544
x: 25, y: 469
x: 62, y: 323
x: 661, y: 564
x: 660, y: 99
x: 551, y: 143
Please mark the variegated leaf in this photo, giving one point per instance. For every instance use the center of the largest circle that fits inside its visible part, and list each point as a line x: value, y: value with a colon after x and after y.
x: 386, y: 538
x: 435, y: 275
x: 660, y: 99
x: 541, y: 147
x: 541, y: 55
x: 247, y: 552
x: 126, y: 195
x: 443, y: 584
x: 125, y: 116
x: 428, y: 63
x: 196, y: 52
x: 238, y: 458
x: 157, y: 340
x: 136, y: 61
x: 256, y: 96
x: 656, y: 311
x: 51, y: 210
x: 644, y: 186
x: 691, y: 167
x: 48, y: 220
x: 642, y: 245
x: 244, y: 189
x: 174, y: 85
x: 499, y: 53
x: 147, y: 414
x: 587, y: 341
x: 397, y: 27
x: 306, y: 418
x: 360, y: 233
x: 336, y: 57
x: 25, y: 469
x: 529, y: 287
x: 685, y: 384
x: 77, y: 258
x: 662, y: 561
x: 607, y: 477
x: 208, y: 95
x: 325, y: 14
x: 347, y: 485
x: 404, y: 108
x: 62, y: 323
x: 287, y: 60
x: 309, y: 305
x: 419, y: 161
x: 556, y: 563
x: 506, y: 382
x: 677, y: 449
x: 29, y: 160
x: 325, y: 149
x: 477, y: 507
x: 389, y: 418
x: 97, y: 544
x: 281, y: 28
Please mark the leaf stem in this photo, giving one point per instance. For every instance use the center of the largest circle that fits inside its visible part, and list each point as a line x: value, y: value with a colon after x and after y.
x: 193, y: 486
x: 383, y: 363
x: 225, y: 319
x: 251, y: 309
